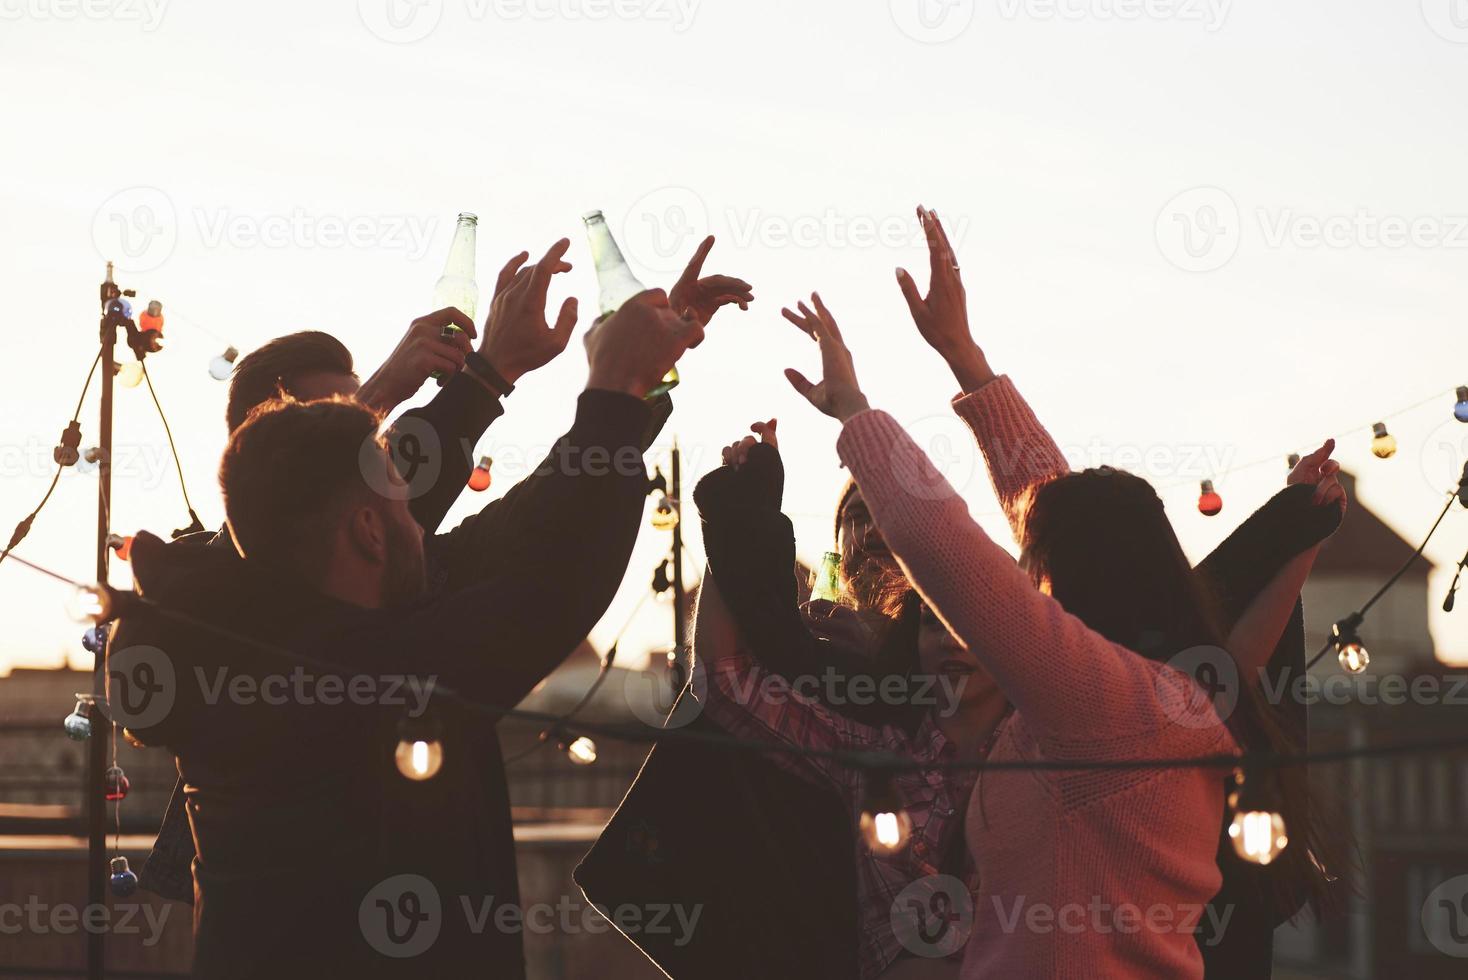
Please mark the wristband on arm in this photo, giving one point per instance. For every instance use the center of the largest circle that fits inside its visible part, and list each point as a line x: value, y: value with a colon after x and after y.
x: 476, y: 365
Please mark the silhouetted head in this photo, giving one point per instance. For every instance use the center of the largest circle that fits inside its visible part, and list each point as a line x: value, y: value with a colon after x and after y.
x: 1100, y: 542
x: 306, y: 365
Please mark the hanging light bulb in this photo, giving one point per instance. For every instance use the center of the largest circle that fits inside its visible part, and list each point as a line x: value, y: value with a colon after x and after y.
x: 581, y: 751
x: 664, y: 514
x: 65, y: 453
x: 1383, y: 443
x: 78, y: 724
x: 130, y: 374
x: 1209, y: 502
x: 124, y: 882
x: 122, y: 544
x: 885, y: 826
x: 151, y: 321
x: 828, y: 579
x: 1460, y: 409
x: 90, y: 460
x: 480, y: 479
x: 1293, y: 460
x: 94, y: 640
x: 1352, y: 653
x: 89, y: 604
x: 117, y: 784
x: 420, y: 753
x: 221, y: 366
x: 1258, y: 829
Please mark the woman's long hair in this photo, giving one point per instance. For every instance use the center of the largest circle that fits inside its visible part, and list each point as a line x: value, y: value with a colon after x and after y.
x: 1101, y: 543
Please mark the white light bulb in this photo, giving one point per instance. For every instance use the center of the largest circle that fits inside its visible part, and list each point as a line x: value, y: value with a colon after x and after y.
x: 419, y: 759
x: 582, y: 751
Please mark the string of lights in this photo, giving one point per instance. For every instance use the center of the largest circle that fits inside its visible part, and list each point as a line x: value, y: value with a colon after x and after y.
x: 195, y: 524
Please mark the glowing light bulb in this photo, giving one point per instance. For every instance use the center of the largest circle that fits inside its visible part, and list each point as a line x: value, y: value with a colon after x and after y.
x: 130, y: 374
x: 828, y: 580
x: 221, y: 366
x: 480, y: 479
x: 1258, y: 829
x: 117, y: 784
x: 582, y: 751
x: 1383, y: 443
x: 1209, y: 502
x: 90, y: 461
x: 78, y: 724
x: 89, y: 604
x: 1354, y: 658
x: 419, y: 754
x: 1460, y: 410
x: 664, y: 514
x: 123, y: 881
x: 885, y: 826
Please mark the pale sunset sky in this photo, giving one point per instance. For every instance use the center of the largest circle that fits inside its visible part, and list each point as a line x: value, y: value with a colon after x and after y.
x: 1198, y: 234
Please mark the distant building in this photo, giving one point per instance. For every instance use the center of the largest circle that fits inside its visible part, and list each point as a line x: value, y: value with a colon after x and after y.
x: 1408, y: 814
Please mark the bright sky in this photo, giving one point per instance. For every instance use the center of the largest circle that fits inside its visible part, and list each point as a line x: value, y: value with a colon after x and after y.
x: 1198, y: 234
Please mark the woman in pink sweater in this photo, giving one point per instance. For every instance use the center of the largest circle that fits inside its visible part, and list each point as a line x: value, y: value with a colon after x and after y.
x: 1084, y: 873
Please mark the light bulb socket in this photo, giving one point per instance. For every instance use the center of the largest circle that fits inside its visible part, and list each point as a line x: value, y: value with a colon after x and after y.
x: 424, y: 728
x: 1378, y: 429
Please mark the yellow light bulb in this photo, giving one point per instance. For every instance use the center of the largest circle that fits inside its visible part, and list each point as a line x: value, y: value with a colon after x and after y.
x: 130, y: 374
x: 1354, y: 658
x: 664, y: 514
x: 1383, y: 443
x: 1258, y: 835
x: 582, y: 751
x: 419, y: 759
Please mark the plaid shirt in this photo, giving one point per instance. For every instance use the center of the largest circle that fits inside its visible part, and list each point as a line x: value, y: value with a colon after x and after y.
x: 934, y: 799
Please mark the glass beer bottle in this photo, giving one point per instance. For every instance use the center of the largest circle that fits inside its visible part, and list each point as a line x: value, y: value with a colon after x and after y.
x: 456, y: 287
x: 615, y: 282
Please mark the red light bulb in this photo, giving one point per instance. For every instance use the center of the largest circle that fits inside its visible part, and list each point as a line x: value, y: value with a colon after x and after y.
x: 121, y: 544
x: 1209, y: 502
x: 480, y: 479
x: 117, y: 784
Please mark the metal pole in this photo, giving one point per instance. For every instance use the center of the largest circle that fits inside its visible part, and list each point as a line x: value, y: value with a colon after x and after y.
x: 96, y: 804
x: 680, y: 621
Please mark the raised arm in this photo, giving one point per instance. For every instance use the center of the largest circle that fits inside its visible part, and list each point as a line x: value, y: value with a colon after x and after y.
x: 1019, y: 452
x: 1067, y: 681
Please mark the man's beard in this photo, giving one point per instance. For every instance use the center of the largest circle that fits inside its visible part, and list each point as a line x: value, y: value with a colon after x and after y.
x: 405, y: 578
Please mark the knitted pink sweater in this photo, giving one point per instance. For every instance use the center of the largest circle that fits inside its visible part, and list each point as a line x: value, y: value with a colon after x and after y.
x: 1082, y: 874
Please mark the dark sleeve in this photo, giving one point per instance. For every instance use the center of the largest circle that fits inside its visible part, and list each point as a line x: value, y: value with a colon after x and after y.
x: 544, y: 569
x: 750, y: 547
x: 435, y: 443
x: 1247, y: 560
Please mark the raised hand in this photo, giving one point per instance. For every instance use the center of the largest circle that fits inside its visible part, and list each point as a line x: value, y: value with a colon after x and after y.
x: 699, y: 296
x: 632, y: 349
x: 942, y: 315
x: 737, y: 454
x: 837, y: 394
x: 425, y: 349
x: 1323, y: 473
x: 517, y: 338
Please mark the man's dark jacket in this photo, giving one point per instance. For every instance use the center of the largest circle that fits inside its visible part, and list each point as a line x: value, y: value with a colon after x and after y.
x: 297, y: 809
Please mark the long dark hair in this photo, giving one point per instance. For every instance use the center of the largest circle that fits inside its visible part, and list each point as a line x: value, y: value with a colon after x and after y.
x: 1101, y: 543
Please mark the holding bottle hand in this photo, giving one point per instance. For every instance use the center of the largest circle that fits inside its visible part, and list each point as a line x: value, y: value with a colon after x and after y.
x: 632, y: 349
